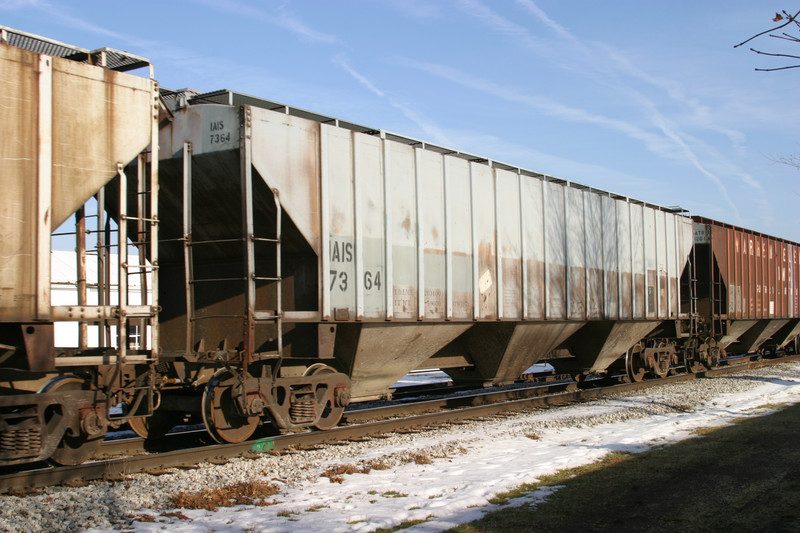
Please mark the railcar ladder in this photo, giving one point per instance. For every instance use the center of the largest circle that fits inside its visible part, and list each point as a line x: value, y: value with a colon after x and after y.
x: 146, y: 240
x: 267, y: 315
x: 251, y: 315
x: 693, y: 314
x: 255, y: 315
x: 140, y: 345
x: 717, y: 322
x: 189, y: 246
x: 104, y: 313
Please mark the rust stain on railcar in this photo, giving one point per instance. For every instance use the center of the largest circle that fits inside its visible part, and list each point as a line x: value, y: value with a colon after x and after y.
x: 512, y: 292
x: 596, y: 294
x: 487, y: 281
x: 406, y: 224
x: 651, y: 294
x: 557, y: 294
x: 536, y: 293
x: 612, y: 296
x: 639, y: 288
x: 626, y: 300
x: 577, y: 296
x: 18, y: 154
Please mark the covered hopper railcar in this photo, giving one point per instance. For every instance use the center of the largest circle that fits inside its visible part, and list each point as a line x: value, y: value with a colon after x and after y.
x: 77, y: 133
x: 746, y: 293
x: 298, y: 246
x: 288, y: 263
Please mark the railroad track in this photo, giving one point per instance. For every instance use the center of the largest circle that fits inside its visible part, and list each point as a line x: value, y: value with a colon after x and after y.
x: 357, y: 425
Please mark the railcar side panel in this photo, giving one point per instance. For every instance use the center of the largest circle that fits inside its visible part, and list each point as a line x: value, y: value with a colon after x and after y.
x: 430, y: 181
x: 509, y: 230
x: 532, y: 198
x: 463, y: 239
x: 610, y: 238
x: 593, y: 228
x: 65, y: 127
x: 555, y: 235
x: 458, y: 195
x: 758, y: 271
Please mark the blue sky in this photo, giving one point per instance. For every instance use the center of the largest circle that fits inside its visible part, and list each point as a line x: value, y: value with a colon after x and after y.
x: 646, y: 99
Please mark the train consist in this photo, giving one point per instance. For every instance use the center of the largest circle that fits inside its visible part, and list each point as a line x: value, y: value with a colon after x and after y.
x: 288, y: 263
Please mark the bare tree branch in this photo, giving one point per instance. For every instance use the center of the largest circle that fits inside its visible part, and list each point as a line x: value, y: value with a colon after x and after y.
x: 792, y: 160
x: 791, y: 18
x: 774, y: 55
x: 787, y: 37
x: 776, y: 68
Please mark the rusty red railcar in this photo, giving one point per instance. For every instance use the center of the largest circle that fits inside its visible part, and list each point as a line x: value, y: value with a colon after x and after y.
x: 748, y: 286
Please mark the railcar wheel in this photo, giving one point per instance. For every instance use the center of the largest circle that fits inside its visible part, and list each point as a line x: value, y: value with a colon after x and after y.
x: 156, y: 425
x: 634, y: 364
x: 693, y: 366
x: 76, y: 446
x: 223, y: 421
x: 663, y: 360
x: 331, y: 415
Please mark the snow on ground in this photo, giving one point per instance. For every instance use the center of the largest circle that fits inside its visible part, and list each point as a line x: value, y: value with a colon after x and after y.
x: 469, y: 464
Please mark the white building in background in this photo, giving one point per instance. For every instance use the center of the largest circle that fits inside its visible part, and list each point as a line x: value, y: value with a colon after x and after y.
x: 64, y: 291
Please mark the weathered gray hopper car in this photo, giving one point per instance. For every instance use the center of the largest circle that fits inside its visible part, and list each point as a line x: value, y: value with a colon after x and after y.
x: 395, y: 253
x: 748, y: 292
x: 70, y: 121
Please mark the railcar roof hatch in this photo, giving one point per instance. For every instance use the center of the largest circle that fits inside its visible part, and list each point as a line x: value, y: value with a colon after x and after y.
x: 105, y: 57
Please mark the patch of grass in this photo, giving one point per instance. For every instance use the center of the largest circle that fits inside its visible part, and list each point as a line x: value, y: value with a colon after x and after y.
x: 560, y: 477
x: 771, y: 407
x: 336, y: 473
x: 287, y: 514
x: 316, y: 508
x: 377, y: 464
x: 246, y: 493
x: 702, y: 432
x: 750, y: 468
x: 394, y: 494
x: 404, y: 525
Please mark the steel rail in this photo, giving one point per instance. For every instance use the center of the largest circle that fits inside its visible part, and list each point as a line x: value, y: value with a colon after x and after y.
x: 446, y: 411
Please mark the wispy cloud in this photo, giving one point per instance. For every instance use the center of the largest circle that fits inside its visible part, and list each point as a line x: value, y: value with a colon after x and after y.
x: 10, y: 5
x: 699, y: 113
x: 422, y: 9
x: 552, y: 24
x: 417, y: 118
x: 66, y: 18
x: 279, y: 15
x: 607, y: 60
x: 603, y: 64
x: 505, y: 91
